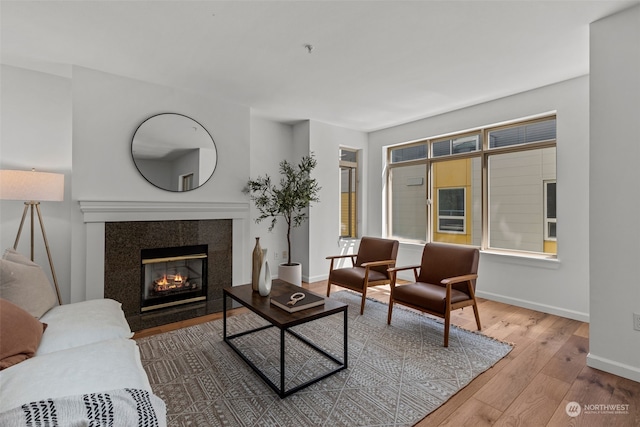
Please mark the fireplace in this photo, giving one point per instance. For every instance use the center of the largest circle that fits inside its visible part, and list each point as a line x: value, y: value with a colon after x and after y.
x: 173, y: 276
x: 210, y: 242
x: 115, y: 231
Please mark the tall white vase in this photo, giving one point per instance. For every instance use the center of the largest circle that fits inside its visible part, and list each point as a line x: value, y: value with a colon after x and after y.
x: 264, y: 281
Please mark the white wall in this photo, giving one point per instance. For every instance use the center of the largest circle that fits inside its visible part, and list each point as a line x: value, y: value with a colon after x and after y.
x: 317, y: 238
x: 82, y: 126
x: 614, y: 176
x: 107, y: 109
x: 324, y: 217
x: 559, y: 287
x: 36, y: 133
x: 271, y: 142
x: 300, y: 235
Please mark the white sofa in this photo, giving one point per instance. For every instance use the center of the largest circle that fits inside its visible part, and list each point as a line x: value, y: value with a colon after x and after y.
x: 86, y: 353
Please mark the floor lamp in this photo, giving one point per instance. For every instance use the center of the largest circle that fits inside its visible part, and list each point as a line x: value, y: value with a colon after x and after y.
x: 33, y: 187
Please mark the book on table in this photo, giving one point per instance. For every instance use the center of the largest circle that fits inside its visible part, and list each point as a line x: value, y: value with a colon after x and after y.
x: 309, y: 300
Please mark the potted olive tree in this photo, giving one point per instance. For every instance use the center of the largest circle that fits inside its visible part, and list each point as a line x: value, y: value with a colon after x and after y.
x: 288, y: 199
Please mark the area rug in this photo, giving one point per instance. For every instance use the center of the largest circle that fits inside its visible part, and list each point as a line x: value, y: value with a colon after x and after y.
x: 396, y: 374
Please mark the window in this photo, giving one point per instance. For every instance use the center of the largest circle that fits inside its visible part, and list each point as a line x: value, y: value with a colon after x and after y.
x: 493, y: 187
x: 534, y: 132
x: 415, y: 152
x: 550, y: 211
x: 457, y: 207
x: 455, y: 145
x: 408, y: 192
x: 520, y: 159
x: 186, y: 182
x: 408, y: 198
x: 516, y: 214
x: 451, y: 210
x: 348, y: 192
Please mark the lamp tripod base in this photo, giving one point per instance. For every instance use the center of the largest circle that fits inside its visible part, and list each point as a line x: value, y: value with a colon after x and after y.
x: 29, y: 206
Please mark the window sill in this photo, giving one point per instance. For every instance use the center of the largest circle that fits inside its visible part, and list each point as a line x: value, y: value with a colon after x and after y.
x: 517, y: 258
x: 528, y: 259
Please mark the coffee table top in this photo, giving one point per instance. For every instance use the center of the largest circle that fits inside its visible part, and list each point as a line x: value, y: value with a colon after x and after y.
x: 278, y: 317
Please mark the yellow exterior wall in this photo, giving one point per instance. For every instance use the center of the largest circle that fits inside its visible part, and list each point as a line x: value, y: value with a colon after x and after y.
x: 550, y: 247
x: 453, y: 173
x: 344, y: 214
x: 458, y: 174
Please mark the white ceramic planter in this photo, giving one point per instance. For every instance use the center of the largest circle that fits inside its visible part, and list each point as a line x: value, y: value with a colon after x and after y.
x: 290, y: 273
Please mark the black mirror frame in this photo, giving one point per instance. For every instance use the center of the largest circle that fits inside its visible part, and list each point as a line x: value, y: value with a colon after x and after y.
x: 157, y: 185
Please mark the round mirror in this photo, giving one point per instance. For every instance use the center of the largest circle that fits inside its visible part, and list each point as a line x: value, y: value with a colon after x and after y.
x: 174, y: 152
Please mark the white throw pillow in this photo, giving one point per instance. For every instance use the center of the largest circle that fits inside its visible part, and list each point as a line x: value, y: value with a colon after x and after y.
x: 23, y: 283
x: 80, y: 323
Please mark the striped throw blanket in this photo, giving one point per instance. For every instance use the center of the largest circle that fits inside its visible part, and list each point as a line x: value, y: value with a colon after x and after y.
x: 125, y: 407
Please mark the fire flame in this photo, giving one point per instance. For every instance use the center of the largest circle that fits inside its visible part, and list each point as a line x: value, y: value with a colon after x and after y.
x: 177, y: 279
x: 170, y: 282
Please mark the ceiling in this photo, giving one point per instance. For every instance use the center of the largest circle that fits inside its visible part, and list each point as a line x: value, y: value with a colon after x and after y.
x: 373, y: 64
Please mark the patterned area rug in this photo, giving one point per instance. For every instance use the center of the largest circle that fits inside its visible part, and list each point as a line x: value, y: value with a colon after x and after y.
x: 397, y: 374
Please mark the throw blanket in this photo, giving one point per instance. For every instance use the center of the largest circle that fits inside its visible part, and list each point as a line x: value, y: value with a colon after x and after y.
x: 126, y: 407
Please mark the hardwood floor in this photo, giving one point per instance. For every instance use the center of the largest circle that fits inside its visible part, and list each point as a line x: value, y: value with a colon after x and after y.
x: 531, y: 386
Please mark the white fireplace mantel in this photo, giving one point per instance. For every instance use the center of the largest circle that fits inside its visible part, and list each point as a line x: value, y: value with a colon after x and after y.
x: 96, y: 213
x: 117, y: 211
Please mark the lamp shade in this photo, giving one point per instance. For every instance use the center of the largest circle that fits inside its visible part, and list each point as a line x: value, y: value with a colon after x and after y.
x: 31, y: 186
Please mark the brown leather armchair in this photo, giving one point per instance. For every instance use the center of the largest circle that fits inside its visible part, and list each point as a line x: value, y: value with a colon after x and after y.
x: 446, y: 281
x: 369, y: 266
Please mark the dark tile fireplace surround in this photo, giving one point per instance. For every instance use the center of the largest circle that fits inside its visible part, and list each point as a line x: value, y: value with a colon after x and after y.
x: 123, y: 244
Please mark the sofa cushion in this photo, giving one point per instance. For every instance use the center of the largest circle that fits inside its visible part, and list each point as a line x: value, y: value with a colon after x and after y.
x: 20, y: 334
x: 80, y: 323
x: 25, y: 284
x: 92, y: 368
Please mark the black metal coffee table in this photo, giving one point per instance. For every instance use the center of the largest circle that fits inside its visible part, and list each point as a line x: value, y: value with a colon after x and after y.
x: 284, y: 321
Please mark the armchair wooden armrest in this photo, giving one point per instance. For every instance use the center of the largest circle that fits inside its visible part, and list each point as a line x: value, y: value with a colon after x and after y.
x: 451, y: 280
x: 352, y: 256
x: 335, y: 257
x: 393, y: 271
x: 407, y: 267
x: 378, y: 263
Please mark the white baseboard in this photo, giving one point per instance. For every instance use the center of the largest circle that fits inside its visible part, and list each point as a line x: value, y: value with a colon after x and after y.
x: 312, y: 279
x: 307, y: 279
x: 613, y: 367
x: 558, y: 311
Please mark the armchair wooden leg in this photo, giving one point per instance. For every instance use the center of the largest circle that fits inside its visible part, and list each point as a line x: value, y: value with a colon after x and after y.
x: 393, y: 287
x: 472, y: 294
x: 329, y: 278
x: 447, y: 322
x: 447, y: 317
x: 477, y: 314
x: 364, y: 298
